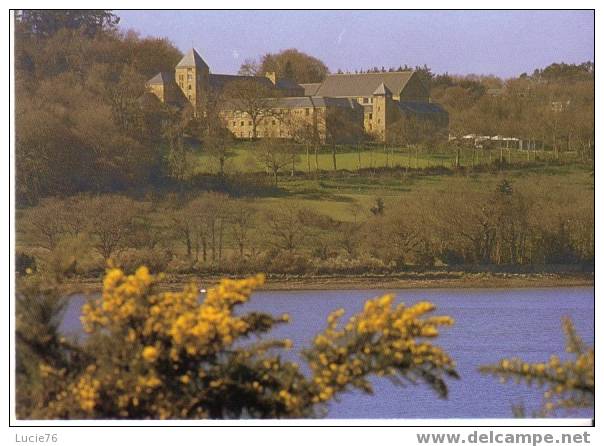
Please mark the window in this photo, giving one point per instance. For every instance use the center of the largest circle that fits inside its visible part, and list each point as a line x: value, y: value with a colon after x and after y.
x: 249, y: 123
x: 307, y: 111
x: 189, y: 77
x: 365, y: 100
x: 234, y: 123
x: 370, y: 115
x: 242, y: 123
x: 274, y: 122
x: 181, y: 78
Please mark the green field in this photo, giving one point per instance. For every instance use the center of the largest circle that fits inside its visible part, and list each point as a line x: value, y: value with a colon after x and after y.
x: 348, y: 196
x: 243, y: 158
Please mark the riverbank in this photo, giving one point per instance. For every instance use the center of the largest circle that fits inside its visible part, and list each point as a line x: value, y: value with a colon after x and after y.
x: 378, y: 281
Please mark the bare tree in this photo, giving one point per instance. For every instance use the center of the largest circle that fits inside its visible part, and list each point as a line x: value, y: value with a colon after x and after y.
x: 241, y: 222
x: 251, y: 96
x: 110, y: 222
x: 46, y: 223
x: 249, y: 67
x: 275, y: 155
x: 286, y: 227
x: 303, y: 130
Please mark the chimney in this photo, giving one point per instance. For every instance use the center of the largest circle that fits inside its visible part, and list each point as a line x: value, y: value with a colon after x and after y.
x: 272, y: 76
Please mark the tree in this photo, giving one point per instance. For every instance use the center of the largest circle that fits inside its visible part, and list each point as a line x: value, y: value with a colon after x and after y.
x: 343, y: 125
x: 217, y: 147
x: 292, y: 64
x: 45, y: 23
x: 46, y: 223
x: 168, y: 355
x: 569, y: 384
x: 174, y: 129
x: 110, y: 222
x: 249, y: 67
x: 241, y: 221
x: 286, y: 227
x: 275, y: 155
x: 252, y: 97
x: 302, y: 130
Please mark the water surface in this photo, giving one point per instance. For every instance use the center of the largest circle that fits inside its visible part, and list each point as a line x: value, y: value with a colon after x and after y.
x: 490, y: 324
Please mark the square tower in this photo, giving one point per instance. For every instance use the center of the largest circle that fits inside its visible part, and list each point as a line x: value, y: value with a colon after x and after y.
x: 192, y: 77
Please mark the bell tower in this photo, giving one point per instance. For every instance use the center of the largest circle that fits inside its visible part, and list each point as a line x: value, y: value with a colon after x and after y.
x: 382, y: 105
x: 192, y: 77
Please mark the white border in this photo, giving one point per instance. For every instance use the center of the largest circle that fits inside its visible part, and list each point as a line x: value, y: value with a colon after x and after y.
x: 244, y: 433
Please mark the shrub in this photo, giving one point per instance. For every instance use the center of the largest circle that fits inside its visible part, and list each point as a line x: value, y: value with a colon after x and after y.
x: 157, y: 260
x: 151, y: 355
x: 286, y: 262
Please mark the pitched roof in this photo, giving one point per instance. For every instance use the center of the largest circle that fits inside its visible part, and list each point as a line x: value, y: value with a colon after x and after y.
x: 220, y: 80
x: 382, y: 90
x: 287, y: 84
x: 192, y: 60
x: 310, y: 89
x: 353, y: 85
x: 161, y: 78
x: 302, y: 101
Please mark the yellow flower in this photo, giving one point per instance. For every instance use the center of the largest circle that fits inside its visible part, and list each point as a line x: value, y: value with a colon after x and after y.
x: 150, y: 353
x: 185, y: 379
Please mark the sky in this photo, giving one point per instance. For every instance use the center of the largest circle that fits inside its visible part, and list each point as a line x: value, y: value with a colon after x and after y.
x: 503, y: 43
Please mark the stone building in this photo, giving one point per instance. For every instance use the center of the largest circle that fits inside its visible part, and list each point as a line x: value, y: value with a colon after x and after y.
x: 342, y: 108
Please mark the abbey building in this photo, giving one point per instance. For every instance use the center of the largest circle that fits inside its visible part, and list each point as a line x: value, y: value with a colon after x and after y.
x: 342, y: 108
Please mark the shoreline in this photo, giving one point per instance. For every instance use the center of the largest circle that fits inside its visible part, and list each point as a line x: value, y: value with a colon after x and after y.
x: 368, y: 282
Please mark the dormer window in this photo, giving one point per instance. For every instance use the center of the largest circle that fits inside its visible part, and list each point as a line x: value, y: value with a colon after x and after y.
x: 365, y: 100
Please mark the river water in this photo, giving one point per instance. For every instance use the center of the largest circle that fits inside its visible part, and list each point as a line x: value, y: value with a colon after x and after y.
x: 490, y: 324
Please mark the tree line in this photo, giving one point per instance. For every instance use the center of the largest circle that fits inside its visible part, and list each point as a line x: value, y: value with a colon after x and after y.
x: 212, y: 232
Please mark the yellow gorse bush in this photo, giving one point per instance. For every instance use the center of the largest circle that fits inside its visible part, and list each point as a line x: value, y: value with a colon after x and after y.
x: 383, y: 339
x: 568, y: 384
x: 173, y: 355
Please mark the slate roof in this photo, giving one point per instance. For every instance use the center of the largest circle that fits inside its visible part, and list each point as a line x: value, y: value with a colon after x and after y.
x: 219, y: 81
x: 311, y: 89
x: 354, y: 85
x: 192, y: 60
x: 161, y: 78
x: 382, y: 90
x: 288, y: 84
x: 304, y: 102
